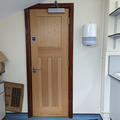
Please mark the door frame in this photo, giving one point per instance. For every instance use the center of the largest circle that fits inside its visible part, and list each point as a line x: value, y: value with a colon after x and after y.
x: 69, y: 6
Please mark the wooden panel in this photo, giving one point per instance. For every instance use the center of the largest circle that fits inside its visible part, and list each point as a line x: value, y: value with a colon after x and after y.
x: 55, y: 82
x: 47, y: 25
x: 60, y: 80
x: 50, y: 54
x: 14, y: 93
x: 50, y: 80
x: 44, y: 83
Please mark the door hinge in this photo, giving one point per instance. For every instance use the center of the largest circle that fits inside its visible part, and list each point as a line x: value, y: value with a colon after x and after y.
x: 68, y: 102
x: 68, y: 64
x: 68, y: 20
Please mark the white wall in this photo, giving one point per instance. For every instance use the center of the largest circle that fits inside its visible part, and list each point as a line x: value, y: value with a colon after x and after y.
x: 87, y: 60
x: 12, y: 43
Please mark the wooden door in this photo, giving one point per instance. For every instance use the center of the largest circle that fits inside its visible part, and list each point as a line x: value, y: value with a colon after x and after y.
x: 49, y: 48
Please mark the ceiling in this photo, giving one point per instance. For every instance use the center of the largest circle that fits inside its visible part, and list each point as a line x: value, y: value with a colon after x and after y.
x: 11, y: 6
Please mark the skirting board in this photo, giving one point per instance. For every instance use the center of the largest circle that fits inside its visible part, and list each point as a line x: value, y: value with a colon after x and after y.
x: 24, y: 116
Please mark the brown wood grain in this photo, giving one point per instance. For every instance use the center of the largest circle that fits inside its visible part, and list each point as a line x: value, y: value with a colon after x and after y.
x: 51, y: 32
x: 70, y: 6
x: 12, y: 100
x: 28, y: 61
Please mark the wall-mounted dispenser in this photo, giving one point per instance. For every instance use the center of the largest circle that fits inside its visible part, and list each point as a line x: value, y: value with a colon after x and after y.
x: 89, y: 34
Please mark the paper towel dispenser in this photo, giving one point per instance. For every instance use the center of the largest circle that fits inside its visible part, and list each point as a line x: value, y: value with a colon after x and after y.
x: 89, y: 34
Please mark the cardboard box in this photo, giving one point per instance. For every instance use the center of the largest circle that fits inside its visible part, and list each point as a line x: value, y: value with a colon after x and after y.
x: 0, y: 67
x: 3, y: 58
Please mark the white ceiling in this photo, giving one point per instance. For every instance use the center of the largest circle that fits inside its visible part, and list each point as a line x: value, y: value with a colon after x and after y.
x: 11, y: 6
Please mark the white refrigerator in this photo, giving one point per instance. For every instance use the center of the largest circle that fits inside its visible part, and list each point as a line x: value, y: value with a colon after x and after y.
x: 114, y: 72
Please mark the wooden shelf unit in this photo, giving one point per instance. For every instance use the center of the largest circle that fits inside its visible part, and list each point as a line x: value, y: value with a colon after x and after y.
x: 115, y: 36
x: 116, y: 12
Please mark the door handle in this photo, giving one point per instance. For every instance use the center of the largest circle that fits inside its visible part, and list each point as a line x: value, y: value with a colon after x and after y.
x: 35, y: 69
